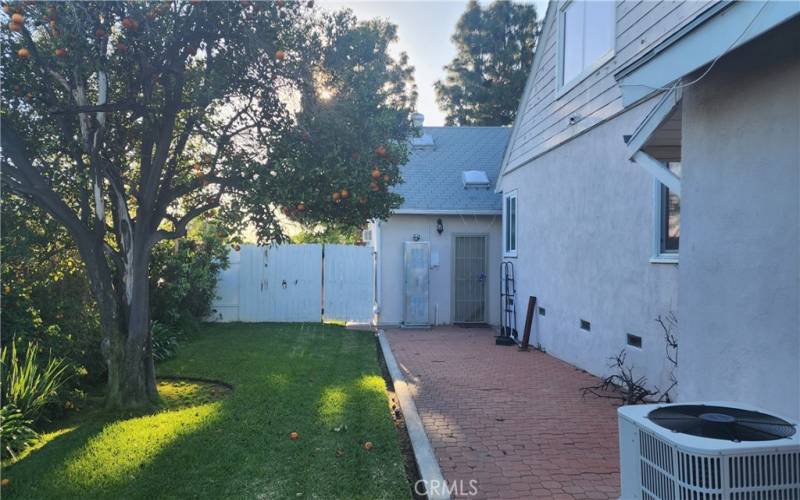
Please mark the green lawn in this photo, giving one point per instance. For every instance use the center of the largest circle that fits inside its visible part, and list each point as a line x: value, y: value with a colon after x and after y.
x: 322, y: 382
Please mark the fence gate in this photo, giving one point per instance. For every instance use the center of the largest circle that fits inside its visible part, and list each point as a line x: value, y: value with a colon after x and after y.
x: 284, y: 283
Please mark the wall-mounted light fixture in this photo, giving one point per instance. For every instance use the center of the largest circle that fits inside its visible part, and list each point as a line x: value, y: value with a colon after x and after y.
x: 439, y: 226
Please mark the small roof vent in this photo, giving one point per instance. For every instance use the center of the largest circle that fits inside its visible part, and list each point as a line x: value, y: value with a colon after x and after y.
x: 475, y: 179
x: 424, y: 141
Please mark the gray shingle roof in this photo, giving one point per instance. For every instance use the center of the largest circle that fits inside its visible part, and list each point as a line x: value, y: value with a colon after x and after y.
x: 433, y: 176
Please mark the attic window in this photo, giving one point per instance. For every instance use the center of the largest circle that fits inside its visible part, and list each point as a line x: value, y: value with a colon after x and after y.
x: 475, y: 179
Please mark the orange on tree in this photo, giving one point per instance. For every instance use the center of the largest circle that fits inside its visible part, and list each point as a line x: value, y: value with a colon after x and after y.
x: 14, y: 26
x: 303, y: 145
x: 280, y: 55
x: 17, y: 18
x: 376, y: 174
x: 130, y: 23
x: 336, y: 197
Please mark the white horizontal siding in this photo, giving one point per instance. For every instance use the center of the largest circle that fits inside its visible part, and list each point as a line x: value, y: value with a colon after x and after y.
x: 544, y: 120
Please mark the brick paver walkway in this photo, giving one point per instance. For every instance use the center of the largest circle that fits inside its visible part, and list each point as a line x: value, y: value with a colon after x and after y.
x: 514, y: 421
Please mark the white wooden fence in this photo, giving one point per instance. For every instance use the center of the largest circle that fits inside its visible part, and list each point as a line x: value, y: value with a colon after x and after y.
x: 296, y: 283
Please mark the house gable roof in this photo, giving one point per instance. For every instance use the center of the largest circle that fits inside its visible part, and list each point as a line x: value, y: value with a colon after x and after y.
x: 433, y: 176
x: 548, y: 24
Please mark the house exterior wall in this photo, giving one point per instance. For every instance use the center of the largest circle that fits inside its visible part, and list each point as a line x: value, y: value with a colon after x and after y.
x: 545, y: 110
x: 401, y: 228
x: 584, y: 247
x: 740, y: 269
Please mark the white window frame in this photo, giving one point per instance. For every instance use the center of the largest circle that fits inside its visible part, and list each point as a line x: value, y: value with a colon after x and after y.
x: 563, y: 87
x: 659, y: 256
x: 506, y: 251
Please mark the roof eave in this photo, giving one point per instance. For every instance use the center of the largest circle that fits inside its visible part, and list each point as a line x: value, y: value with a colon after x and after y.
x: 437, y: 211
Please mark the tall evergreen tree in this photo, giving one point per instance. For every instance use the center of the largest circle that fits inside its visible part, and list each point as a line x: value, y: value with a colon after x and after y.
x: 486, y: 79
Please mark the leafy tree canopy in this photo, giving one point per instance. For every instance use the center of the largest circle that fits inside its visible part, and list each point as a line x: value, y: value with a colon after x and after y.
x: 125, y: 121
x: 495, y: 46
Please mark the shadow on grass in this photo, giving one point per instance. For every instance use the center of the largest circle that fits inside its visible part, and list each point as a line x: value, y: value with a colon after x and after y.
x: 311, y: 380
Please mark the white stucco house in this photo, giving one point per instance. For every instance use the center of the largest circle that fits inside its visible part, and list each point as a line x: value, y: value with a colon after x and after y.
x: 438, y: 255
x: 653, y: 168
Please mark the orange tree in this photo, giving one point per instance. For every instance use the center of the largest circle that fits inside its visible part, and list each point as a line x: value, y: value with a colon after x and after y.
x: 124, y: 121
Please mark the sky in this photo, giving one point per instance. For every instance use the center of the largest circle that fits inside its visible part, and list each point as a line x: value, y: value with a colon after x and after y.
x: 424, y: 31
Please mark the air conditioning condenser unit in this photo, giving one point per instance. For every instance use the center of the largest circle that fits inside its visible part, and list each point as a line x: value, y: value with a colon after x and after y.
x: 707, y: 451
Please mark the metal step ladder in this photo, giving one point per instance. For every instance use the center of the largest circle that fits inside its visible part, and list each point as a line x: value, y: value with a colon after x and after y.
x: 508, y: 305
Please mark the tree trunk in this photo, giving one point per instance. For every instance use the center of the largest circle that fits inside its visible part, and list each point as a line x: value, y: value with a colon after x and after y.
x: 125, y: 321
x: 138, y: 382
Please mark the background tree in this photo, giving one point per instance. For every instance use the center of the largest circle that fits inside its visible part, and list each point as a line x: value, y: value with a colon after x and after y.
x: 486, y: 79
x: 125, y: 121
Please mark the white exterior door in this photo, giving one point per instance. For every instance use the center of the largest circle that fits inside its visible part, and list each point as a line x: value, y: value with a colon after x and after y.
x: 416, y: 262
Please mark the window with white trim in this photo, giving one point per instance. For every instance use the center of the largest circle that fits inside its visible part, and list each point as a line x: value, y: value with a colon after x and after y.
x: 587, y: 38
x: 668, y: 217
x: 510, y: 224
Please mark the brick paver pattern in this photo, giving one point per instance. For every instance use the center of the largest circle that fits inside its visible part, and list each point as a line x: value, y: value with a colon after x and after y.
x: 514, y: 421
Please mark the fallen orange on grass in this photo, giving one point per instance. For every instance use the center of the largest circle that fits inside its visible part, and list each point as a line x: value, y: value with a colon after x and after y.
x: 293, y: 436
x: 368, y: 445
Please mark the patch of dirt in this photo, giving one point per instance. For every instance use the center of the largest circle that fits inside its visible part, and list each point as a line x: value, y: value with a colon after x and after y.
x: 412, y: 472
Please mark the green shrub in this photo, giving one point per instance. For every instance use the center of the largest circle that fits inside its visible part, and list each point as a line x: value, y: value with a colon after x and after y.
x: 184, y: 277
x: 46, y: 296
x: 29, y: 386
x: 165, y: 341
x: 16, y: 432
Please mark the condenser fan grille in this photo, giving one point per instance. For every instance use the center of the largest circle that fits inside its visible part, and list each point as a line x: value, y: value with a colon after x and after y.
x: 719, y: 422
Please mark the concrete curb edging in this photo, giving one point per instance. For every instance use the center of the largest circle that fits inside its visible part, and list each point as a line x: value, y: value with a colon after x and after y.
x: 428, y: 466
